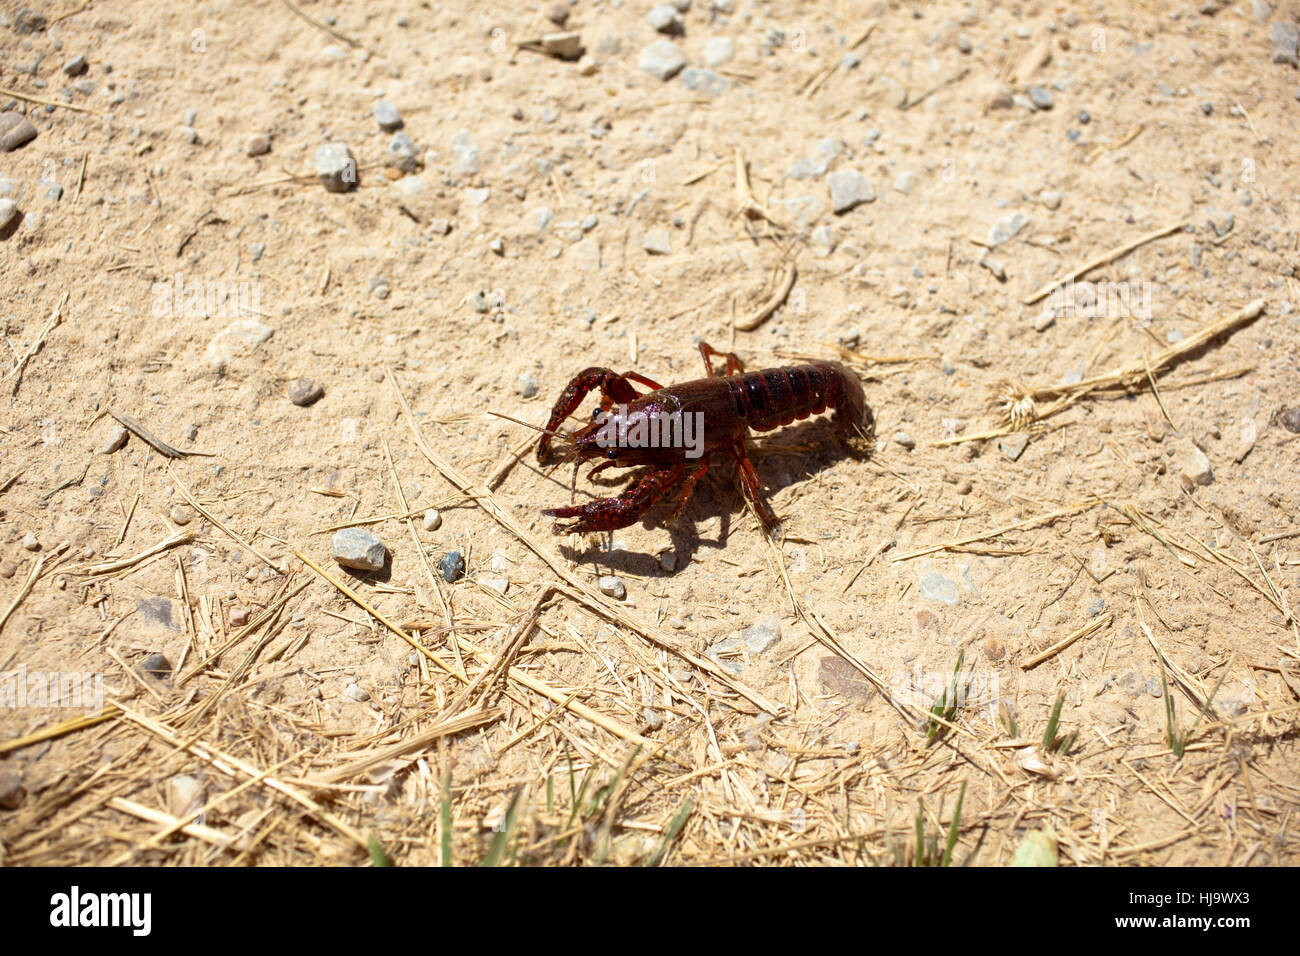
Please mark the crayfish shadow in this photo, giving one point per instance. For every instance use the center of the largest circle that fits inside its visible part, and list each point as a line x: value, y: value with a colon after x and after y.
x: 683, y: 534
x: 779, y: 465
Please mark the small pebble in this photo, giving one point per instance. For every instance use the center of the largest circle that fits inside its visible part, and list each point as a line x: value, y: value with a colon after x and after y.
x: 452, y: 567
x: 15, y: 130
x: 12, y: 791
x: 662, y: 59
x: 1041, y: 98
x: 1013, y: 446
x: 612, y: 587
x: 849, y: 188
x: 387, y: 116
x: 904, y: 439
x: 904, y: 182
x: 30, y: 543
x: 238, y: 616
x: 1195, y: 469
x: 336, y: 168
x: 1290, y: 420
x: 963, y: 44
x: 558, y: 13
x: 668, y: 560
x: 359, y: 549
x: 156, y: 666
x: 665, y: 19
x: 1051, y: 199
x: 181, y: 515
x: 8, y: 212
x: 1218, y: 220
x: 1285, y: 37
x: 258, y: 144
x: 8, y: 569
x: 354, y: 691
x: 657, y: 242
x: 718, y: 51
x: 936, y: 587
x: 529, y: 385
x: 189, y: 134
x: 305, y: 391
x: 75, y: 66
x: 432, y: 520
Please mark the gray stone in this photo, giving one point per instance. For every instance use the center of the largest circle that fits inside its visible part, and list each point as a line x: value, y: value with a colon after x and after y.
x: 28, y: 20
x: 8, y: 212
x: 432, y: 520
x: 542, y: 217
x: 1007, y: 227
x: 1195, y: 468
x: 904, y: 182
x: 1290, y: 420
x: 809, y: 168
x: 1051, y: 199
x: 354, y: 691
x: 189, y: 134
x: 75, y: 66
x: 465, y: 155
x: 563, y: 46
x: 116, y: 439
x: 1218, y: 220
x: 963, y: 43
x: 822, y: 241
x: 258, y: 144
x: 305, y: 391
x: 704, y: 82
x: 156, y: 666
x: 611, y: 586
x: 665, y: 19
x: 528, y: 385
x: 335, y: 167
x: 904, y: 439
x: 719, y: 50
x: 12, y: 791
x: 1285, y: 38
x: 657, y: 242
x: 359, y: 549
x: 1041, y: 97
x: 762, y: 635
x: 558, y: 13
x: 15, y: 130
x: 30, y: 542
x: 662, y: 59
x: 387, y: 116
x: 404, y: 154
x: 849, y: 188
x: 181, y: 515
x: 1260, y: 10
x: 452, y: 567
x: 936, y: 587
x: 1013, y: 446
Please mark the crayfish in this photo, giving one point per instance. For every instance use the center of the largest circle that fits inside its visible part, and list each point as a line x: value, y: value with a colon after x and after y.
x: 676, y: 429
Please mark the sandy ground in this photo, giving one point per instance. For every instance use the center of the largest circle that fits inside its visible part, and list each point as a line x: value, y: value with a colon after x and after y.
x: 167, y: 274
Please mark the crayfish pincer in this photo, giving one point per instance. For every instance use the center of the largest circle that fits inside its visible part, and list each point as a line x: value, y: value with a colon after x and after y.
x: 676, y: 429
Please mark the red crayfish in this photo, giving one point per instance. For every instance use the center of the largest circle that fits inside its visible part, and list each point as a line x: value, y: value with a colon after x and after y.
x: 675, y: 429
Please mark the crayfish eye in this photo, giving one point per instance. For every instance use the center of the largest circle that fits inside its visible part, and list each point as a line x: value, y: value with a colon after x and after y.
x: 599, y: 415
x: 611, y: 453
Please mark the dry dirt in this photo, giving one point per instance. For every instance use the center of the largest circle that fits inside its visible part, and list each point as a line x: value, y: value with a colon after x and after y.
x: 798, y: 758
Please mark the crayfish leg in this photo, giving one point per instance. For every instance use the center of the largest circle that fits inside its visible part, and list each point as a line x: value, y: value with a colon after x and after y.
x: 752, y: 487
x: 734, y: 364
x: 610, y: 514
